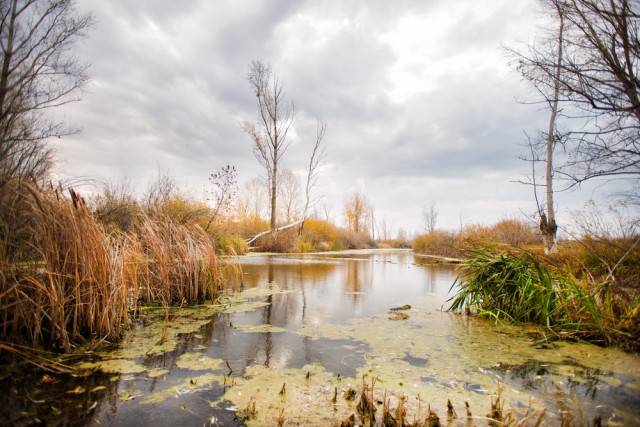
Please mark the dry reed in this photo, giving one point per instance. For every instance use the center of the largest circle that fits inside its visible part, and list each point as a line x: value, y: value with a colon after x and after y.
x: 66, y: 280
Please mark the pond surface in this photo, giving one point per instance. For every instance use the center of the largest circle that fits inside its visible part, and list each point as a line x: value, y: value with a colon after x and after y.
x: 297, y: 332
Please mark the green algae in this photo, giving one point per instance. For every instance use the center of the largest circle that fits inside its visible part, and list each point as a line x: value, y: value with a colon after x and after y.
x: 259, y: 328
x: 301, y: 396
x: 460, y: 360
x: 263, y: 291
x: 115, y: 366
x: 187, y: 386
x: 244, y: 306
x: 158, y: 331
x: 157, y: 373
x: 198, y: 362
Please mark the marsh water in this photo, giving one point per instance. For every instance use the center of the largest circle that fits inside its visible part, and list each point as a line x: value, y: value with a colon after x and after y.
x: 294, y: 333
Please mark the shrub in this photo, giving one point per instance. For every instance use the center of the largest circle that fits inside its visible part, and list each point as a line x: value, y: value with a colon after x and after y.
x: 515, y: 233
x: 281, y: 242
x: 316, y: 231
x: 517, y: 287
x: 231, y: 244
x: 116, y: 207
x: 436, y: 242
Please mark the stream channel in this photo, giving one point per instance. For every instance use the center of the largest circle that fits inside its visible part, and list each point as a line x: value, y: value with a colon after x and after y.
x: 295, y: 330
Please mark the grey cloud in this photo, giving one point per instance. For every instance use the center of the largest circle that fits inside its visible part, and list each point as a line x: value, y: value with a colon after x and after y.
x: 170, y: 89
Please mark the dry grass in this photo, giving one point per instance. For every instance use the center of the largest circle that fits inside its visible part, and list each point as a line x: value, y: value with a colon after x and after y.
x: 509, y: 232
x: 66, y: 280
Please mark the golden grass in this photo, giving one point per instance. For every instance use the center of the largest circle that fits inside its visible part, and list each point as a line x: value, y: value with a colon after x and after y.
x: 76, y: 282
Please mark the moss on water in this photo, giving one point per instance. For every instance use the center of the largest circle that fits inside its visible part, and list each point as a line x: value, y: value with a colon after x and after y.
x: 306, y: 399
x: 426, y: 359
x: 157, y: 373
x: 241, y: 306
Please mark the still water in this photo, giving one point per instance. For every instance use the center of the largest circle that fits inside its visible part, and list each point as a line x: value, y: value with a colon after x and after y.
x: 295, y: 330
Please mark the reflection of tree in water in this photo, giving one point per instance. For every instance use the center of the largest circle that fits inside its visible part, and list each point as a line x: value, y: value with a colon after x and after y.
x: 284, y: 310
x: 431, y: 274
x: 358, y: 279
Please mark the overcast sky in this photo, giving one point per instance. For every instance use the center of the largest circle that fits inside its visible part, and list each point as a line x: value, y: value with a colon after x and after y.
x: 420, y: 103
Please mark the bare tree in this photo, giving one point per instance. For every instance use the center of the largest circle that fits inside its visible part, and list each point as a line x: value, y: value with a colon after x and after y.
x: 270, y: 133
x: 595, y: 71
x: 385, y: 228
x: 548, y: 226
x: 429, y: 217
x: 323, y: 212
x: 318, y: 155
x: 252, y: 198
x: 289, y: 191
x: 38, y: 73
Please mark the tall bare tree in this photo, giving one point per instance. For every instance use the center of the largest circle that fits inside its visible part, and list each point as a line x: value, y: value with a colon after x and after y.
x: 289, y: 192
x: 385, y: 228
x: 318, y: 155
x: 252, y: 199
x: 429, y: 217
x: 270, y: 133
x: 598, y: 85
x: 37, y: 74
x: 548, y: 226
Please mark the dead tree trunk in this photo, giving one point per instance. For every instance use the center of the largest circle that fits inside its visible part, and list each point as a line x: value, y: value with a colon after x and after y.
x: 548, y: 225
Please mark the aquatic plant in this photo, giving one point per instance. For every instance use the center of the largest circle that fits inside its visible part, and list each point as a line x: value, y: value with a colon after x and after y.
x: 517, y: 288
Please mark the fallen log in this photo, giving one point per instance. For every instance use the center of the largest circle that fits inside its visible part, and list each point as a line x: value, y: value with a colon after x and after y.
x: 281, y: 228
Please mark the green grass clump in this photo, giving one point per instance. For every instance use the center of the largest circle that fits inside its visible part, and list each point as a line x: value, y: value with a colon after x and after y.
x: 507, y: 286
x: 518, y: 288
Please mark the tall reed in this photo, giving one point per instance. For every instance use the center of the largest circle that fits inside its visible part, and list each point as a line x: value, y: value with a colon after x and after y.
x: 65, y: 279
x: 71, y: 288
x: 174, y: 263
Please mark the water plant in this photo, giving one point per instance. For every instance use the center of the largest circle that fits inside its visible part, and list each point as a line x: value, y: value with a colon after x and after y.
x: 517, y: 288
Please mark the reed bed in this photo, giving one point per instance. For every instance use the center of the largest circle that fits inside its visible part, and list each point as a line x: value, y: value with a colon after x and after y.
x: 173, y: 263
x: 66, y: 280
